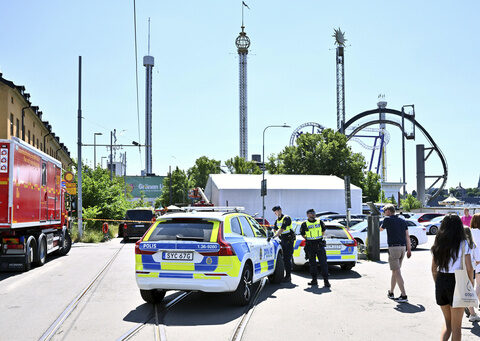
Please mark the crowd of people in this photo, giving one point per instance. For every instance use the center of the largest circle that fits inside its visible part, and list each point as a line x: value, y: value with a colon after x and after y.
x: 456, y: 247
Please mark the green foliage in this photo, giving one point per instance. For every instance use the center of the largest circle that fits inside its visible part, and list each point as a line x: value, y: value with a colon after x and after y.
x: 371, y: 187
x: 158, y: 202
x: 91, y: 213
x: 322, y: 154
x: 410, y: 203
x: 179, y: 189
x: 382, y: 198
x: 141, y: 202
x: 473, y: 192
x: 239, y: 165
x: 392, y: 200
x: 203, y: 167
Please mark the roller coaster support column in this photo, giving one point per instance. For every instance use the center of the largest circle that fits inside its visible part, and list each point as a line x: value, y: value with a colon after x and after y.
x: 421, y: 173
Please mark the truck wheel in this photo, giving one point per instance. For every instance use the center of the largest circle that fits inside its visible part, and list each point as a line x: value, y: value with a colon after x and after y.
x: 277, y: 275
x: 30, y: 248
x: 41, y: 255
x: 67, y: 244
x: 243, y: 294
x: 152, y: 296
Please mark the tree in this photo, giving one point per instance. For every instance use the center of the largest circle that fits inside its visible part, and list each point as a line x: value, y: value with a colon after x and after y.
x: 198, y: 174
x: 371, y: 187
x: 410, y: 203
x: 238, y: 165
x: 141, y: 202
x: 179, y: 188
x: 103, y: 198
x: 323, y: 154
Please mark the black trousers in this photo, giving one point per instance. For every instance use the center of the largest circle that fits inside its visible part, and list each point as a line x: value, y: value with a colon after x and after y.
x: 287, y: 247
x: 314, y: 249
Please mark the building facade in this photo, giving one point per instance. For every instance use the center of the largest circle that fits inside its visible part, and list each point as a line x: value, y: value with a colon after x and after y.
x: 19, y: 118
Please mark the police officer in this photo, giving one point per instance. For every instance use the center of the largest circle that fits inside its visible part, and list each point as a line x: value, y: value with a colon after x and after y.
x: 312, y: 231
x: 283, y: 228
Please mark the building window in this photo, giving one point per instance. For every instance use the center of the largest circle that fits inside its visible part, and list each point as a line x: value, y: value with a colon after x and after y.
x: 38, y: 145
x: 41, y: 146
x: 11, y: 99
x: 33, y: 140
x: 17, y: 131
x: 11, y: 124
x: 28, y: 136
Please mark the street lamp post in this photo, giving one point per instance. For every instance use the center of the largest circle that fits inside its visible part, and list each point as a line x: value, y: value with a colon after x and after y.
x: 263, y: 168
x: 95, y: 149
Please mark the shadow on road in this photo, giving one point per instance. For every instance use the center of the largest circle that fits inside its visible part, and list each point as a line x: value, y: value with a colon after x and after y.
x: 7, y: 274
x: 334, y: 272
x: 475, y: 330
x: 203, y: 308
x: 408, y: 308
x: 317, y: 290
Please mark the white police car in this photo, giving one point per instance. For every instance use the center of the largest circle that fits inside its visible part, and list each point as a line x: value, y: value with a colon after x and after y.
x: 206, y: 249
x: 341, y: 248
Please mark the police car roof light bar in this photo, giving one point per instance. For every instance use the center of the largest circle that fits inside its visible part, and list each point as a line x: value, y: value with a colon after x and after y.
x: 213, y: 209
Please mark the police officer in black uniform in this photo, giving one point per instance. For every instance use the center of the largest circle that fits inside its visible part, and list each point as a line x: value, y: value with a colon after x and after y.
x: 312, y: 231
x: 283, y: 228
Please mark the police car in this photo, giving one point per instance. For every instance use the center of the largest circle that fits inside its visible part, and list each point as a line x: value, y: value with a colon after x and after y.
x: 206, y: 249
x: 340, y: 247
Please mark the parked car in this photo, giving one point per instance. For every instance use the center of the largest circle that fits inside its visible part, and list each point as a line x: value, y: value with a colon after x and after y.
x: 260, y: 221
x: 353, y: 222
x: 137, y: 222
x: 332, y: 217
x: 324, y: 213
x: 425, y: 217
x: 433, y: 225
x: 418, y: 234
x: 340, y: 247
x: 209, y: 251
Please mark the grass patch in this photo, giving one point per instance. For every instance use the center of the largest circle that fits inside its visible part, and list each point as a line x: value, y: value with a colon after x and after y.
x: 92, y: 235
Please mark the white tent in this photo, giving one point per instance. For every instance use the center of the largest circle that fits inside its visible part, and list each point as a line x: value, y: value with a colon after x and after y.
x: 451, y: 201
x: 294, y: 193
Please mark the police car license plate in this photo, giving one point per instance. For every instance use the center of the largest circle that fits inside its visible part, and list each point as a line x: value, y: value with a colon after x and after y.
x: 175, y: 255
x: 333, y: 247
x: 139, y: 226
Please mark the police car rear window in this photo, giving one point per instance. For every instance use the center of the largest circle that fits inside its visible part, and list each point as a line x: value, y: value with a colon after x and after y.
x: 183, y: 229
x: 335, y: 232
x: 141, y: 215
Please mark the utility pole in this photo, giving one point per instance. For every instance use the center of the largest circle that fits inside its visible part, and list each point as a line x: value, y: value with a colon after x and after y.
x: 170, y: 189
x: 79, y: 145
x: 111, y: 155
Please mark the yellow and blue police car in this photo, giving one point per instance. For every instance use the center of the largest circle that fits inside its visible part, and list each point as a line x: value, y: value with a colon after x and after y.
x: 209, y: 250
x: 340, y: 246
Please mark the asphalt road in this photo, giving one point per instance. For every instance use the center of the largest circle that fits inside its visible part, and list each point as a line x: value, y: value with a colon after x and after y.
x: 355, y: 307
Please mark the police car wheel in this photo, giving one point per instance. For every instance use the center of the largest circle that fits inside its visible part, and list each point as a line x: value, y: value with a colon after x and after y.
x: 277, y: 275
x: 152, y: 296
x: 243, y: 294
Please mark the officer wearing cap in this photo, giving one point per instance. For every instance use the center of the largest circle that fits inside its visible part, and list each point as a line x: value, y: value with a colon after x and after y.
x: 312, y: 231
x: 283, y: 228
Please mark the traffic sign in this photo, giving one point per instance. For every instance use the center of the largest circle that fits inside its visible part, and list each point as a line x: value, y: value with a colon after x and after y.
x: 68, y: 176
x: 70, y: 185
x: 72, y: 191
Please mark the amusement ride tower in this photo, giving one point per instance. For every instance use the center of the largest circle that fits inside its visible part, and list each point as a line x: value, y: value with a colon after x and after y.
x: 243, y: 43
x: 340, y: 42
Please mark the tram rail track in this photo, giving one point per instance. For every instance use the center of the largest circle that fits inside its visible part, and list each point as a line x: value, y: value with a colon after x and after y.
x: 51, y: 331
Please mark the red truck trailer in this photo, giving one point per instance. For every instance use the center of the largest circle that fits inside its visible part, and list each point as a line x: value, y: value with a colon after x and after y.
x: 32, y: 206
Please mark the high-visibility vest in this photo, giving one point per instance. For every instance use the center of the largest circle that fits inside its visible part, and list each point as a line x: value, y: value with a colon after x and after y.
x: 314, y: 231
x: 279, y: 223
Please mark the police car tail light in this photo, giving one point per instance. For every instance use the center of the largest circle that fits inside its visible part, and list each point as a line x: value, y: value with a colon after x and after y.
x: 353, y: 242
x: 138, y: 251
x: 303, y: 243
x: 226, y: 248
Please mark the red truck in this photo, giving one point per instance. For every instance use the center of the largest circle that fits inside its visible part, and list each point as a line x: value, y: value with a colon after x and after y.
x: 32, y: 207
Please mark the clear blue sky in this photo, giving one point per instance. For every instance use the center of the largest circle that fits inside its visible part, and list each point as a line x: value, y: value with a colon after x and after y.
x: 425, y: 53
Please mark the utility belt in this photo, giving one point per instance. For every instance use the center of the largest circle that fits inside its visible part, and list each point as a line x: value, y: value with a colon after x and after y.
x: 320, y: 242
x: 289, y: 236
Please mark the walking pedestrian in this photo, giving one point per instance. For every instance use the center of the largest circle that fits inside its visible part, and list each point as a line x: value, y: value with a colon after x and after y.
x: 398, y: 240
x: 283, y: 228
x: 312, y: 231
x: 475, y: 255
x: 475, y: 230
x: 466, y: 218
x: 447, y: 257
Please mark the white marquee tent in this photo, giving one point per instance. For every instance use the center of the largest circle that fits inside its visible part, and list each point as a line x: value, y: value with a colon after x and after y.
x: 294, y: 193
